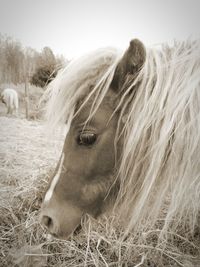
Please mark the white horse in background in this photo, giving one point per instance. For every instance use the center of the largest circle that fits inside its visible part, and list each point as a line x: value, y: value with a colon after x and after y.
x: 10, y: 98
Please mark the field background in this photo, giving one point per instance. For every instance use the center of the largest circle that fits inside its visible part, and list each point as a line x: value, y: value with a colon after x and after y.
x: 27, y: 155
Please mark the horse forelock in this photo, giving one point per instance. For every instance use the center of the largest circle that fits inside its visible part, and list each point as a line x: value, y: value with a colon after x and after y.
x: 80, y: 81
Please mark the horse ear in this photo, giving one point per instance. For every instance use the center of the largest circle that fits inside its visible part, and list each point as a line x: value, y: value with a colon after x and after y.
x: 131, y: 62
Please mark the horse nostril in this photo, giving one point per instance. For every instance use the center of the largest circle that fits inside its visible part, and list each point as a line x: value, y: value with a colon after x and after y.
x: 47, y: 221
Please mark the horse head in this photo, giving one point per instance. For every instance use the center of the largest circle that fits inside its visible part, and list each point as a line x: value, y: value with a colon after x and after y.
x: 84, y: 181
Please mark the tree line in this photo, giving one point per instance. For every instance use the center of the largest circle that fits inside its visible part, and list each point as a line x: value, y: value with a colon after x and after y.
x: 19, y: 64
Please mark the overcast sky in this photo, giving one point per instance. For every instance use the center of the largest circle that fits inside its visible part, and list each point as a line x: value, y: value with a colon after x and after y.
x: 73, y: 27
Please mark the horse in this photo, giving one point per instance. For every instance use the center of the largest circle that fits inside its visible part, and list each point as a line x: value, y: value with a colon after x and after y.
x: 10, y: 98
x: 133, y: 140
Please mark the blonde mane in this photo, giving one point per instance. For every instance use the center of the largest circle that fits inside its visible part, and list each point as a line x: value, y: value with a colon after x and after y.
x: 160, y: 167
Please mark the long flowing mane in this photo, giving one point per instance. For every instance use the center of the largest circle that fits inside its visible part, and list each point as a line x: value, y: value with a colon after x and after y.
x: 159, y: 171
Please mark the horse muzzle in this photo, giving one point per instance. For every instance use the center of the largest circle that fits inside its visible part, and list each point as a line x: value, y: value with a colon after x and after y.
x: 60, y: 221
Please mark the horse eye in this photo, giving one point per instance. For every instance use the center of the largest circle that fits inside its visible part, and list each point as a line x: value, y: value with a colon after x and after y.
x: 86, y: 139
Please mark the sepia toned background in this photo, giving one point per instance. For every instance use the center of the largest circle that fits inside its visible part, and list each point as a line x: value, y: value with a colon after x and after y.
x: 37, y: 39
x: 73, y: 27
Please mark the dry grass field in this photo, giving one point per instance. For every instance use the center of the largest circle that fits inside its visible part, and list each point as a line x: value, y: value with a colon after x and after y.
x: 27, y: 159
